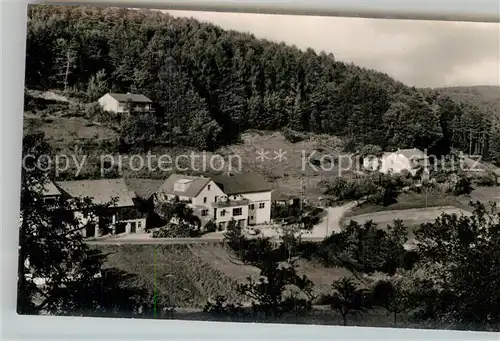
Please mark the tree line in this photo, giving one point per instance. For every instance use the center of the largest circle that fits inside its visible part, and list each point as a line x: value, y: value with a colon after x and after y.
x: 211, y: 84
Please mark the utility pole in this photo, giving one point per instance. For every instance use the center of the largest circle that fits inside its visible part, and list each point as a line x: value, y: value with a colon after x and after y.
x: 301, y: 194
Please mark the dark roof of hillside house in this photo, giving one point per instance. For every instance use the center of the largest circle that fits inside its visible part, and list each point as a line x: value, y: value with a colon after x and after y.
x: 101, y: 191
x: 194, y: 185
x: 143, y: 188
x: 136, y: 98
x: 278, y: 195
x: 247, y: 182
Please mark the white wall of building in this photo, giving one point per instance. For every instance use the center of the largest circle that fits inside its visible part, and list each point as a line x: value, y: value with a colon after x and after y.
x: 209, y: 194
x: 259, y: 215
x: 225, y: 214
x: 108, y: 103
x: 395, y: 163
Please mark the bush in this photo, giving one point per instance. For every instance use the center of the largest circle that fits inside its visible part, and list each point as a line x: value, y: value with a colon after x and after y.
x: 220, y: 307
x: 210, y: 226
x: 292, y: 136
x: 485, y: 181
x: 74, y: 110
x: 463, y: 186
x: 94, y: 111
x: 175, y: 231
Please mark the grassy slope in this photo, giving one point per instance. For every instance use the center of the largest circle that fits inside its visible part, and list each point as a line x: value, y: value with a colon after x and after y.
x: 192, y: 274
x: 411, y: 201
x: 178, y: 275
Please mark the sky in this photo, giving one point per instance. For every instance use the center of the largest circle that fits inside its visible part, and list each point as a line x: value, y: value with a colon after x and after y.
x: 418, y: 53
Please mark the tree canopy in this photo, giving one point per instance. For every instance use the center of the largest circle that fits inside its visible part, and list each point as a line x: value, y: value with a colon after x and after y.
x: 211, y: 84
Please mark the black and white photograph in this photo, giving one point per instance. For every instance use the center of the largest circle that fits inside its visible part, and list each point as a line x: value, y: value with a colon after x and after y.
x: 261, y: 168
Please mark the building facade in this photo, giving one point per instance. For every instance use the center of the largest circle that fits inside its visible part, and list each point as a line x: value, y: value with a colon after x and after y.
x: 126, y: 103
x: 413, y: 161
x: 244, y: 198
x: 121, y: 215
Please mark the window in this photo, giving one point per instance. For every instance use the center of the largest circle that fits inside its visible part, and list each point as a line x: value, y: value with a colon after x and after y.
x: 139, y: 224
x: 251, y: 206
x: 237, y: 211
x: 50, y: 201
x: 262, y: 205
x: 204, y: 200
x: 208, y: 187
x: 251, y: 217
x: 222, y: 213
x: 204, y: 213
x: 215, y: 199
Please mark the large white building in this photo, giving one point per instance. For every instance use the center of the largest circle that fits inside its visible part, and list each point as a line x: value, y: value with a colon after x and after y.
x: 411, y: 160
x: 244, y: 197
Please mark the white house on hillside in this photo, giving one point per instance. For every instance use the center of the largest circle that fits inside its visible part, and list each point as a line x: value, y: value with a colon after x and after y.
x: 126, y: 103
x: 411, y: 160
x: 245, y: 197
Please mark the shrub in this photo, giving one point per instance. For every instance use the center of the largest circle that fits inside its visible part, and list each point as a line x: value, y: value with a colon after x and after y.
x: 292, y: 136
x: 210, y: 226
x: 463, y: 186
x: 174, y: 231
x: 220, y: 307
x: 485, y: 181
x: 93, y: 111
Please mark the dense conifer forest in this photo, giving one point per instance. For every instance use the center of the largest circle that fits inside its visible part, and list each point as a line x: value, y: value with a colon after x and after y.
x: 212, y: 84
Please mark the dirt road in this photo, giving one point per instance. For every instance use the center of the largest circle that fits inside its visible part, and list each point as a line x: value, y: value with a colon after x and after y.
x: 331, y: 223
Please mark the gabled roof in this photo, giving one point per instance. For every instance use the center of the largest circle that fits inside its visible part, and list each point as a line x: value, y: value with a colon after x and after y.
x: 246, y: 182
x: 414, y: 153
x: 50, y: 189
x: 277, y: 195
x: 195, y: 186
x: 136, y: 98
x: 143, y: 188
x: 102, y: 191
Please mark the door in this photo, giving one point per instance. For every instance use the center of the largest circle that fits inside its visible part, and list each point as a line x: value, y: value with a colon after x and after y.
x: 133, y: 227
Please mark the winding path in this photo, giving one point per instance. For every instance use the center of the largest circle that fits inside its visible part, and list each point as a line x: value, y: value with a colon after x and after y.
x: 331, y: 223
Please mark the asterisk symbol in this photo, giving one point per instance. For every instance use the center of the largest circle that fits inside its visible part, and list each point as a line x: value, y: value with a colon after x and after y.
x: 280, y: 155
x: 262, y: 155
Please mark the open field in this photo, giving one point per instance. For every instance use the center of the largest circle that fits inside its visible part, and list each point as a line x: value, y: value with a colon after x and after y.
x: 188, y: 275
x: 288, y: 172
x: 410, y: 217
x: 64, y: 131
x: 486, y: 194
x: 178, y: 274
x: 408, y: 201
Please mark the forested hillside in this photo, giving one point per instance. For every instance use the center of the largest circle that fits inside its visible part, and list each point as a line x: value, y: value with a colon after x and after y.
x: 211, y: 84
x: 486, y: 96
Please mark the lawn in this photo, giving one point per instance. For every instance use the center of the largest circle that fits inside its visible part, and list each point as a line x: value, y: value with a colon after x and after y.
x: 291, y: 171
x: 188, y: 275
x: 413, y: 200
x: 177, y: 274
x: 65, y: 131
